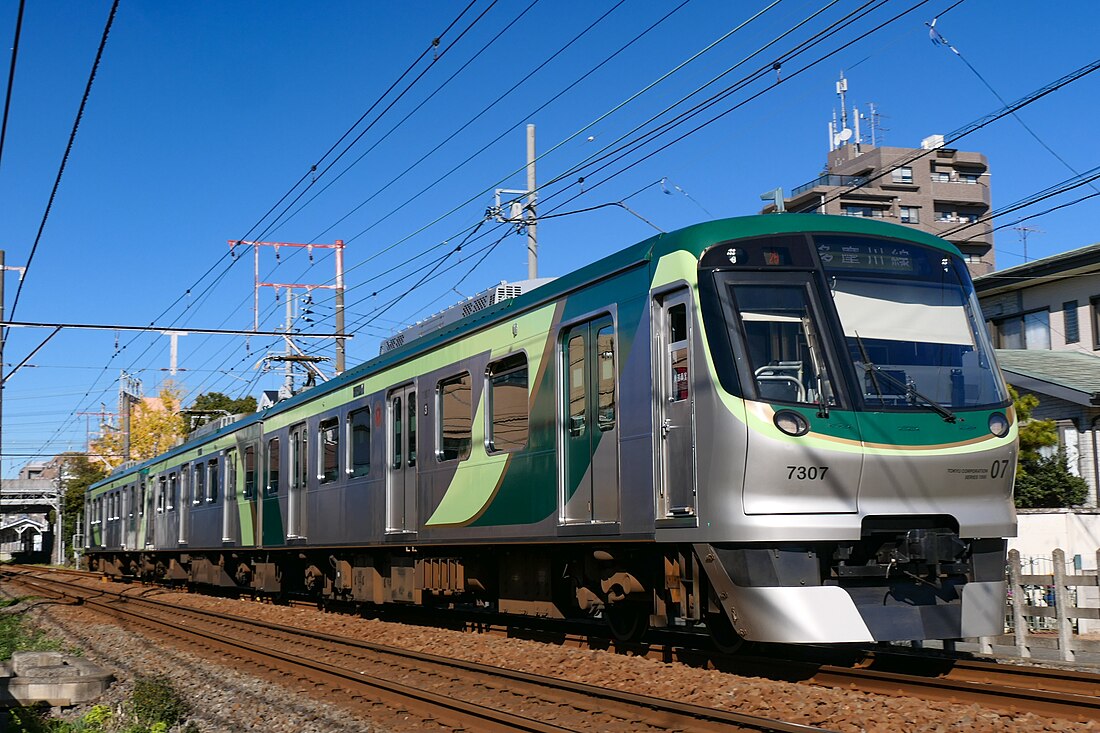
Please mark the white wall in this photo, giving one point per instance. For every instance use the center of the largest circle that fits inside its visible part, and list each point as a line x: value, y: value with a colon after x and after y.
x: 1076, y: 531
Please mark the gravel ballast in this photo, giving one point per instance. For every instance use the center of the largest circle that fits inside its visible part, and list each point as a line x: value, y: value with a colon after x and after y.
x: 224, y: 699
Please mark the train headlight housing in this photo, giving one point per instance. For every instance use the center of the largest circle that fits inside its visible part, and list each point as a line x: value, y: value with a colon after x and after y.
x: 998, y: 424
x: 791, y: 423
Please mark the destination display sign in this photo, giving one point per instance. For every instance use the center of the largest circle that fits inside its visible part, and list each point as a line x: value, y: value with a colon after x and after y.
x: 868, y: 256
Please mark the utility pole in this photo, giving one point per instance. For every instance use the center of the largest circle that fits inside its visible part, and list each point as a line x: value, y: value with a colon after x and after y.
x: 338, y: 246
x: 173, y: 363
x: 529, y: 215
x: 523, y: 216
x: 129, y: 392
x: 3, y: 338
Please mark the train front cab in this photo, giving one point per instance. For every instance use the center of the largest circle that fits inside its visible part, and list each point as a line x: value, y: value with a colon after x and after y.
x: 853, y: 454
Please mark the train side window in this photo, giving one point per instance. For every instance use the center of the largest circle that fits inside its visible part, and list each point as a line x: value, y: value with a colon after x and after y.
x: 358, y: 462
x: 455, y: 417
x: 185, y: 485
x: 271, y: 486
x: 231, y: 473
x: 200, y: 483
x: 162, y: 484
x: 130, y: 509
x: 173, y: 491
x: 509, y: 412
x: 212, y: 481
x: 250, y: 472
x: 299, y: 457
x: 141, y: 498
x: 328, y: 456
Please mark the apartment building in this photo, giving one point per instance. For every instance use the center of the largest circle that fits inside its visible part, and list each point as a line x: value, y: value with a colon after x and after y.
x: 934, y: 188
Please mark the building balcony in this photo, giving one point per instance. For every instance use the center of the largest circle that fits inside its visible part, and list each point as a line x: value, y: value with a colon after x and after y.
x: 828, y: 181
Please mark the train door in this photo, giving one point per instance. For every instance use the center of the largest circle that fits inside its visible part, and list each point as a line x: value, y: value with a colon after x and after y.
x: 675, y: 406
x: 401, y: 471
x: 299, y: 482
x: 247, y: 516
x: 590, y: 490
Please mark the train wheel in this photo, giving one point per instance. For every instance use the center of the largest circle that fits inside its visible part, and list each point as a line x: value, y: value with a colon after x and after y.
x: 628, y: 620
x: 722, y: 633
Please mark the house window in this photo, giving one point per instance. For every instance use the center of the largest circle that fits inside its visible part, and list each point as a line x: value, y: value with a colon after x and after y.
x: 329, y: 435
x: 944, y: 215
x: 971, y: 178
x: 1070, y: 327
x: 508, y: 403
x: 904, y: 174
x: 909, y: 214
x: 359, y: 442
x: 941, y: 177
x: 1094, y: 307
x: 1026, y: 331
x: 455, y: 418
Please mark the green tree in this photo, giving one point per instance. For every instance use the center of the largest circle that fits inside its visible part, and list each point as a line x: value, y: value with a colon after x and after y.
x: 1049, y: 484
x: 1042, y: 481
x: 1034, y: 434
x: 212, y: 405
x: 78, y: 472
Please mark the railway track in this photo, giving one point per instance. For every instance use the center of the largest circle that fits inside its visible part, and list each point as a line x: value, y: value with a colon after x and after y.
x: 456, y: 694
x: 1059, y: 693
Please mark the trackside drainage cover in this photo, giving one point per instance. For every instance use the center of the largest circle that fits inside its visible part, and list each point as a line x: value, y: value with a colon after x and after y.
x: 52, y: 677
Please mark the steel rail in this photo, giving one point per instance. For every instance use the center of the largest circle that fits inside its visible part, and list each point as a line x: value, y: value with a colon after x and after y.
x: 678, y: 711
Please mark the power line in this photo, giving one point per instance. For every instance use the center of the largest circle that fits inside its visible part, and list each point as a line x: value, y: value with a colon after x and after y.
x: 975, y: 125
x: 68, y: 146
x: 11, y: 76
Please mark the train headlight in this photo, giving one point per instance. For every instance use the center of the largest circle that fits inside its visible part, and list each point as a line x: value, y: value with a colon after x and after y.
x: 791, y: 422
x: 998, y: 424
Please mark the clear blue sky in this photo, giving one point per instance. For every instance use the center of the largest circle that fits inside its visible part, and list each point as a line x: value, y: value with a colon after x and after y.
x: 204, y: 114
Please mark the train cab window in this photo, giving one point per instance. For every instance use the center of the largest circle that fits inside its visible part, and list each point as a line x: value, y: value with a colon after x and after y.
x: 212, y: 481
x: 271, y: 485
x: 173, y: 491
x: 231, y: 473
x: 250, y: 472
x: 782, y: 343
x: 509, y: 411
x: 455, y: 417
x: 358, y: 460
x: 329, y: 454
x: 199, y: 483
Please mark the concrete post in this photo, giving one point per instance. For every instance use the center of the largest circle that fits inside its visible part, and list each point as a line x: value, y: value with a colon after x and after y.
x: 1062, y: 606
x: 1016, y: 588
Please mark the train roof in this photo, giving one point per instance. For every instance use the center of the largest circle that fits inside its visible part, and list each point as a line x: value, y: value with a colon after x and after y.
x: 694, y: 239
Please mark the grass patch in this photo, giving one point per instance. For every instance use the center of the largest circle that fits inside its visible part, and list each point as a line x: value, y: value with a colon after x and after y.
x: 18, y: 636
x: 154, y: 707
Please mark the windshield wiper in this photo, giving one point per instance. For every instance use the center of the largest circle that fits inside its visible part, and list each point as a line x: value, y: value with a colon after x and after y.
x: 911, y: 393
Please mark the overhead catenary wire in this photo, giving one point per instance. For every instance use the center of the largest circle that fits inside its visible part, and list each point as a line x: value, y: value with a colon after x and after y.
x: 11, y: 76
x: 218, y: 263
x: 68, y: 150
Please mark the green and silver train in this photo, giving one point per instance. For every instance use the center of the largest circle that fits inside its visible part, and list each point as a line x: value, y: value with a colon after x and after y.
x: 785, y: 428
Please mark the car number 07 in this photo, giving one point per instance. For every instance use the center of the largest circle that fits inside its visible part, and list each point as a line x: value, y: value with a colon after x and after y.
x: 806, y: 473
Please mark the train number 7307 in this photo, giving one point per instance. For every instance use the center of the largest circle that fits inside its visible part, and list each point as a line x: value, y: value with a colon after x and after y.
x: 806, y: 473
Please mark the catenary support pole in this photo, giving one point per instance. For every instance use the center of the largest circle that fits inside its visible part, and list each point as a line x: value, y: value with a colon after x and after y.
x: 532, y: 219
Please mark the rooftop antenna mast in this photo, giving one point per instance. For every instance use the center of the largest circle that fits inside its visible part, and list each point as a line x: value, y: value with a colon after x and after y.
x: 839, y: 138
x: 1024, y: 231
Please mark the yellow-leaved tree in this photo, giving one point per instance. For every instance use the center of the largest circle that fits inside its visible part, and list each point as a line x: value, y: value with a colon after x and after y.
x: 155, y: 426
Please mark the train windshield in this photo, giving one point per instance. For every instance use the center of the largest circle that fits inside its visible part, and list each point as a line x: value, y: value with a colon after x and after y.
x: 911, y: 324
